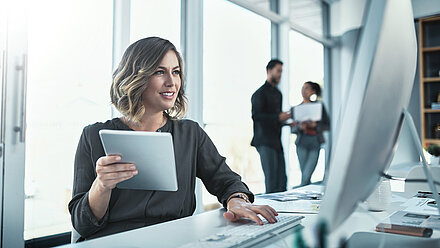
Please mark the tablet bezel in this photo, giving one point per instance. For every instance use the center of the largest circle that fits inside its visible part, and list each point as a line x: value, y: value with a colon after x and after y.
x: 156, y: 165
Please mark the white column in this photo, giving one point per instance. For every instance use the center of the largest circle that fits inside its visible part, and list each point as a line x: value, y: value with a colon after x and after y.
x: 284, y: 85
x: 192, y: 50
x: 121, y: 34
x: 121, y: 29
x: 274, y: 45
x: 328, y: 86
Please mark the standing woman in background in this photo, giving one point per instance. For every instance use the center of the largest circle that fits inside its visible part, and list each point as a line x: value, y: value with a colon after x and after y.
x: 310, y: 134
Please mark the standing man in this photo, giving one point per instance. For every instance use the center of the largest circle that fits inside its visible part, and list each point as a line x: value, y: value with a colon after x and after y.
x: 268, y: 120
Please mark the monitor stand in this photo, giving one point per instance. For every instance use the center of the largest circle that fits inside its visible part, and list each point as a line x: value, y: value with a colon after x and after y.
x: 408, y: 118
x: 378, y: 239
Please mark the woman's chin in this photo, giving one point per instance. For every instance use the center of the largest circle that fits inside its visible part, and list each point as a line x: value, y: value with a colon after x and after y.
x: 167, y: 107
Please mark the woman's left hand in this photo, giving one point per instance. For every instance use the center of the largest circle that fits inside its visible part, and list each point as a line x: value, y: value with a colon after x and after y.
x: 238, y: 208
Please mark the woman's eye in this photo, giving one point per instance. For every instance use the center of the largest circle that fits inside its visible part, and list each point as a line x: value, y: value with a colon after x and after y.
x: 159, y: 73
x: 176, y: 72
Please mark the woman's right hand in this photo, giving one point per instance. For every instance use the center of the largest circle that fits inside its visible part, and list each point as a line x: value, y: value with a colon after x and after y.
x: 110, y: 172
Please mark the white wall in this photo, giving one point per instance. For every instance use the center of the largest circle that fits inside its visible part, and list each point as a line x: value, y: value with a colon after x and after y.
x: 346, y: 15
x: 345, y: 21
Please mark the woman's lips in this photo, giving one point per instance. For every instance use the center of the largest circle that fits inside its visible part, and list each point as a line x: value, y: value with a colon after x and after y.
x: 167, y: 94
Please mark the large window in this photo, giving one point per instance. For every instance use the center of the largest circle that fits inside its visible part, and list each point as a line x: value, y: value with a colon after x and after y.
x: 70, y: 55
x: 236, y: 51
x: 70, y: 68
x: 306, y: 64
x: 155, y: 18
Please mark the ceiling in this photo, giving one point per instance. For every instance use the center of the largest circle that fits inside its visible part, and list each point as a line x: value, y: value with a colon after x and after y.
x: 304, y: 13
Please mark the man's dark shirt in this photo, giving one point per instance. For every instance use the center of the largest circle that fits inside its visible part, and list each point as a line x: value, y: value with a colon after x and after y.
x: 266, y: 108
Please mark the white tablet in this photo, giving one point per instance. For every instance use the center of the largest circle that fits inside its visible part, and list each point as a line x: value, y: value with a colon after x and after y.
x: 307, y: 112
x: 151, y: 152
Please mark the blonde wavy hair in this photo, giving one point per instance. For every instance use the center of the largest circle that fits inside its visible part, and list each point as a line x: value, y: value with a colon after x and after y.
x: 130, y: 79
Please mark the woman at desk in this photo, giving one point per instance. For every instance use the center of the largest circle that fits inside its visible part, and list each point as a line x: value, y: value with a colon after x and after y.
x: 309, y: 134
x: 148, y: 90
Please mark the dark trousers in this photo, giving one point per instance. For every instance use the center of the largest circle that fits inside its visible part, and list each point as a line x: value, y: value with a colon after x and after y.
x: 274, y: 168
x: 308, y: 153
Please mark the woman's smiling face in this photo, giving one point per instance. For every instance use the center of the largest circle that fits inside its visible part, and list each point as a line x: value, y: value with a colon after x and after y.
x: 164, y: 85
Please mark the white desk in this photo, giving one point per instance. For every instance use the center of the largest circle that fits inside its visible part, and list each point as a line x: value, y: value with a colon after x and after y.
x: 190, y: 229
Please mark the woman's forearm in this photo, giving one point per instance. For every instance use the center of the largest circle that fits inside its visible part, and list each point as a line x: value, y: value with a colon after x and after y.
x: 99, y: 199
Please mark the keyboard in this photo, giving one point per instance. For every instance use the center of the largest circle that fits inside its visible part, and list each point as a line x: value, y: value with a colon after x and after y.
x: 246, y: 235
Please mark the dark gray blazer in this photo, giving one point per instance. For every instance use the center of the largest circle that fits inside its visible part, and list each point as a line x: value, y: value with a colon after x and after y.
x: 196, y: 156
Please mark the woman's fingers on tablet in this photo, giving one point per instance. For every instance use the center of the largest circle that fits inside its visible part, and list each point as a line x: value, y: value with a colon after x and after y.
x: 110, y: 163
x: 118, y: 175
x: 106, y: 160
x: 125, y: 167
x: 113, y: 182
x: 116, y: 168
x: 110, y: 173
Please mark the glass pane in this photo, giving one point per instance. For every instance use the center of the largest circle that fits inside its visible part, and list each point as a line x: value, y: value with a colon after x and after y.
x: 306, y: 64
x: 155, y: 18
x: 236, y: 51
x: 70, y: 59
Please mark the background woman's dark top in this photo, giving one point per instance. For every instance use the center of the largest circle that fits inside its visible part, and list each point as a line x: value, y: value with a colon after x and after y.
x: 195, y: 155
x: 321, y: 126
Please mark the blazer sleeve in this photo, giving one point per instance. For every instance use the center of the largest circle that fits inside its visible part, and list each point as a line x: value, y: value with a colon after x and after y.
x: 82, y: 217
x: 215, y: 174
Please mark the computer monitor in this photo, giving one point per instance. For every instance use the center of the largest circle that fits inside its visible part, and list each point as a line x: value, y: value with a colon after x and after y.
x: 381, y: 81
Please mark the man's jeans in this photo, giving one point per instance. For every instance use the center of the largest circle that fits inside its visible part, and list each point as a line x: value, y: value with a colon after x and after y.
x: 274, y: 168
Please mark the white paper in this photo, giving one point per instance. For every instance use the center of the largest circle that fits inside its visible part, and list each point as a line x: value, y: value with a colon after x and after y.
x: 307, y: 112
x: 415, y: 201
x: 298, y: 206
x: 421, y: 206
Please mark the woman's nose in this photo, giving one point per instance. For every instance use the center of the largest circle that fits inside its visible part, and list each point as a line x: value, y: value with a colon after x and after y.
x: 170, y: 80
